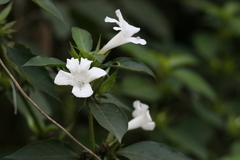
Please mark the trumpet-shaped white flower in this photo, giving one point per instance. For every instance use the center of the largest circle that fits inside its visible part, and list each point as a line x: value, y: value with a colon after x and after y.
x: 79, y: 77
x: 125, y: 34
x: 141, y: 118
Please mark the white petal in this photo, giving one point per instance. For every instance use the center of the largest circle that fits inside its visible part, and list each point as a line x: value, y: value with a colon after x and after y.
x: 149, y: 126
x: 64, y: 78
x: 82, y: 92
x: 95, y: 73
x: 84, y: 64
x: 117, y: 28
x: 119, y: 15
x: 136, y: 104
x: 110, y: 20
x: 130, y: 30
x: 73, y: 65
x: 140, y: 109
x: 136, y: 40
x: 136, y: 123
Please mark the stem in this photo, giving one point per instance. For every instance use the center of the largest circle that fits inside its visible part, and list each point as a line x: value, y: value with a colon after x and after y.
x: 91, y: 129
x: 44, y: 114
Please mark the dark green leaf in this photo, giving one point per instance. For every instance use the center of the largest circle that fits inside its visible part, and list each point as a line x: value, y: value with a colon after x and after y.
x: 130, y: 64
x: 4, y: 1
x: 73, y: 52
x: 82, y: 38
x: 148, y: 150
x: 195, y: 82
x: 116, y: 99
x: 45, y: 150
x: 50, y: 7
x: 38, y: 76
x: 110, y: 117
x: 140, y: 88
x: 4, y: 13
x: 106, y: 85
x: 176, y: 60
x: 44, y: 61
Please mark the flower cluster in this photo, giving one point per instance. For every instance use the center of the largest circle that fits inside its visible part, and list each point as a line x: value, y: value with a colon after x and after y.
x: 81, y: 75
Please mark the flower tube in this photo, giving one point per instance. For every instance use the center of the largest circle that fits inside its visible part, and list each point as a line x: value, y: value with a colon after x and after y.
x: 125, y: 34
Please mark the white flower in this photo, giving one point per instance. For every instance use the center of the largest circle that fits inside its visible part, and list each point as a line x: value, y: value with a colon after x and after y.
x: 125, y: 34
x: 141, y: 118
x: 79, y: 77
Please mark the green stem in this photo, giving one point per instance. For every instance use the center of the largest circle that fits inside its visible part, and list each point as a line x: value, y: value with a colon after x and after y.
x: 91, y: 129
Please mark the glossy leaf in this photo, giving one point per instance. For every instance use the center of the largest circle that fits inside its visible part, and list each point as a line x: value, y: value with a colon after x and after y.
x: 195, y: 82
x: 110, y: 117
x: 82, y: 38
x: 50, y: 7
x: 130, y: 64
x: 38, y: 76
x: 44, y: 61
x: 4, y: 1
x: 151, y: 151
x: 45, y: 150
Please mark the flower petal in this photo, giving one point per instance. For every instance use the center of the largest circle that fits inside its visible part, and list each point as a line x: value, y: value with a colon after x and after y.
x: 73, y: 65
x: 64, y: 78
x: 136, y: 122
x: 95, y: 73
x: 84, y: 65
x: 120, y: 17
x: 82, y: 92
x: 110, y: 20
x: 149, y: 126
x: 136, y: 40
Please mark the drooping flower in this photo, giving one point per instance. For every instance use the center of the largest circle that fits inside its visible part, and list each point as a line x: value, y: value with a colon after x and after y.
x: 141, y: 118
x: 125, y: 34
x: 79, y: 77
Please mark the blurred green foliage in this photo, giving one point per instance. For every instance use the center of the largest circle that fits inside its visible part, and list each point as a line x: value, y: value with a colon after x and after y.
x: 192, y: 47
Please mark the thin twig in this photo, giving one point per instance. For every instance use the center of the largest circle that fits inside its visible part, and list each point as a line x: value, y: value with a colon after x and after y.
x: 43, y: 113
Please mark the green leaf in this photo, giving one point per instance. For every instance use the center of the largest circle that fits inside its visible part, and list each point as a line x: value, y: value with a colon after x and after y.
x: 38, y: 76
x: 4, y: 1
x: 110, y: 117
x: 45, y: 150
x: 106, y: 85
x: 50, y: 7
x: 181, y: 59
x: 148, y: 150
x: 130, y: 64
x: 73, y: 52
x: 195, y: 82
x: 140, y: 88
x: 116, y: 99
x: 82, y: 38
x: 4, y: 13
x: 44, y: 61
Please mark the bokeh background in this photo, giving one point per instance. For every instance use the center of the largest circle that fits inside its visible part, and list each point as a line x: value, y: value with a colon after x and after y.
x: 192, y: 47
